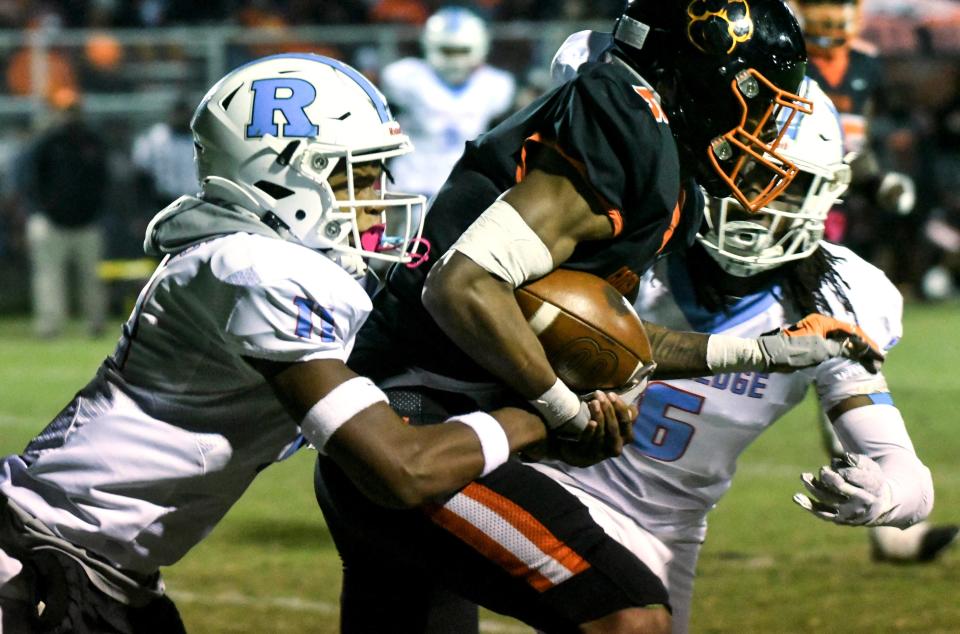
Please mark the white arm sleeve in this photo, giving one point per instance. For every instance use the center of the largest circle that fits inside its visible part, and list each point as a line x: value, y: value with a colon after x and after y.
x: 878, y: 431
x: 503, y: 244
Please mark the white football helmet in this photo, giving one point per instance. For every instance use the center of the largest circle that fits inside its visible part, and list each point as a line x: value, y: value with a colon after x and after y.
x: 791, y: 226
x: 455, y: 42
x: 269, y: 135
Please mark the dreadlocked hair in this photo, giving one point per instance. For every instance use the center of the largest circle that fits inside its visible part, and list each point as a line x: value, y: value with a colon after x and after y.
x: 802, y: 283
x: 805, y: 280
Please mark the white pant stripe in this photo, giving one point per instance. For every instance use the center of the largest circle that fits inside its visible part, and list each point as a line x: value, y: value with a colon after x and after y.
x: 507, y: 536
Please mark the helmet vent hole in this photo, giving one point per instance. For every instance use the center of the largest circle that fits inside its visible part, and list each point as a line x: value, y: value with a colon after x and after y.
x: 226, y: 100
x: 300, y: 215
x: 277, y: 192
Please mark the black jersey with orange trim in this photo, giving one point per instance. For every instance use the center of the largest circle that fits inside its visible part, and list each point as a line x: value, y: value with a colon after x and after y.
x: 851, y: 77
x: 606, y: 122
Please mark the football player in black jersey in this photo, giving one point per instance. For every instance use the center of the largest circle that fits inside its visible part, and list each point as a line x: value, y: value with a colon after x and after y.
x: 851, y: 74
x: 598, y: 175
x: 849, y: 71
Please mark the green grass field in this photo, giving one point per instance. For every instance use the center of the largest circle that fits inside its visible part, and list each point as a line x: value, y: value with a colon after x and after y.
x: 767, y: 566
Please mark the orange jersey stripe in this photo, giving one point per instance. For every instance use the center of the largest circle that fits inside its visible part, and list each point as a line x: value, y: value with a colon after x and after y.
x: 616, y: 218
x: 488, y: 547
x: 528, y: 525
x: 674, y: 220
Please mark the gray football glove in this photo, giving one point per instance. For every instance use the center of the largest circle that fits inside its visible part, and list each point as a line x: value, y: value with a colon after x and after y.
x: 815, y: 339
x: 852, y: 490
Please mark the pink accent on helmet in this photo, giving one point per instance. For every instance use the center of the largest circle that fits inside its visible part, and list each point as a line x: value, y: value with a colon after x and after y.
x: 416, y: 259
x: 370, y: 239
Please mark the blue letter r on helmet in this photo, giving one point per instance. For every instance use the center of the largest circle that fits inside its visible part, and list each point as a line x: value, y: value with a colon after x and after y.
x: 293, y: 106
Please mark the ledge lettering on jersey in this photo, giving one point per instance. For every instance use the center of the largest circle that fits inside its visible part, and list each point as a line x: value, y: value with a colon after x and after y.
x: 751, y: 384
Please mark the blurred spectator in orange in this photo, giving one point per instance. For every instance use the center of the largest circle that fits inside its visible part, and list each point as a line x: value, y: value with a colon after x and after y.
x: 57, y: 78
x: 67, y: 184
x: 849, y: 71
x: 267, y: 16
x: 399, y: 11
x: 103, y: 51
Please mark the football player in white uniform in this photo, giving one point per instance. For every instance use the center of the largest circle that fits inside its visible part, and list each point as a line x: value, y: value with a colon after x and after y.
x: 448, y: 97
x: 234, y: 356
x: 750, y: 274
x: 922, y: 542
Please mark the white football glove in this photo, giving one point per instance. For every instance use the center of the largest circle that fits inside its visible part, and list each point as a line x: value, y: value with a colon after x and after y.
x: 897, y: 193
x: 852, y: 490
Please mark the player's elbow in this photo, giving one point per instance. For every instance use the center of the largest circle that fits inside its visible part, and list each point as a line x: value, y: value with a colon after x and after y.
x: 396, y: 490
x: 409, y: 478
x: 451, y: 285
x: 914, y: 493
x: 410, y: 486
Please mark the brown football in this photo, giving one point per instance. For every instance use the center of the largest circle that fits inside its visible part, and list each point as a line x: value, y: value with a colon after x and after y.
x: 590, y: 332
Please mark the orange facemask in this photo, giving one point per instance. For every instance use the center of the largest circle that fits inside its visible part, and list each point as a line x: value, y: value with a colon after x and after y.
x: 755, y: 152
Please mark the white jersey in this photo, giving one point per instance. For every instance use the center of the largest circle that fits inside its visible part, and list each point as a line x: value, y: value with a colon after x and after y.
x: 690, y: 433
x: 148, y: 457
x: 440, y: 118
x: 167, y: 156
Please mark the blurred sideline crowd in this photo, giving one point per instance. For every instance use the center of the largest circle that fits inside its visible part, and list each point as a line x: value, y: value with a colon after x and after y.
x: 80, y: 168
x: 161, y: 13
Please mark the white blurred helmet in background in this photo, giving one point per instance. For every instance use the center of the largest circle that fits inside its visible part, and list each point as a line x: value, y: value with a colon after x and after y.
x: 455, y: 42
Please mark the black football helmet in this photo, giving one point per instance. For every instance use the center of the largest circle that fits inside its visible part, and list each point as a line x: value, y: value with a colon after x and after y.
x: 829, y: 24
x: 728, y: 72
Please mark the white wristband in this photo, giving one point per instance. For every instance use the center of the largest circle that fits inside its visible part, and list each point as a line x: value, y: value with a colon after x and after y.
x: 339, y: 405
x: 557, y: 405
x: 733, y: 354
x: 493, y: 440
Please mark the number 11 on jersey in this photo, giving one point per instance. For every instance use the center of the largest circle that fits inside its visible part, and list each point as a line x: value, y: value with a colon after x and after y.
x: 307, y: 309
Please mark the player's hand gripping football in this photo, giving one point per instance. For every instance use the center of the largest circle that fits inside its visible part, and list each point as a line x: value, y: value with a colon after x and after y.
x: 852, y: 490
x: 817, y: 338
x: 609, y: 429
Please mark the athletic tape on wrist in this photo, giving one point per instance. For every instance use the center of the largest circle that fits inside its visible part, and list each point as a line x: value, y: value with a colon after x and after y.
x: 558, y: 404
x: 493, y: 440
x: 339, y: 405
x: 503, y: 244
x: 732, y: 354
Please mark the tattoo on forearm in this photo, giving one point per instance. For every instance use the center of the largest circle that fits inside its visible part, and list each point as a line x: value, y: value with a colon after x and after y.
x: 679, y: 355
